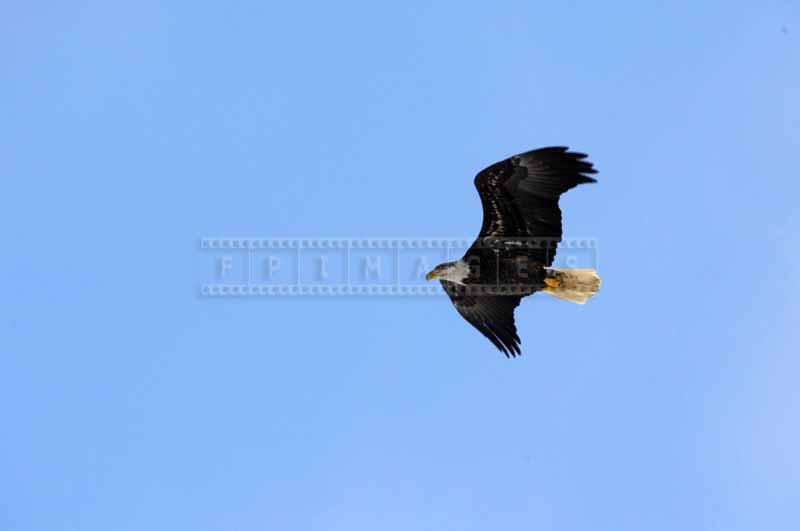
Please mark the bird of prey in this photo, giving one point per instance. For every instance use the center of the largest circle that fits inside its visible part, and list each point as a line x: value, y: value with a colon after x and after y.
x: 512, y: 255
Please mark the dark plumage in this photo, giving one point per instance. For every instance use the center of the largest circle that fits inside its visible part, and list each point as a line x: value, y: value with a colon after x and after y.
x: 517, y: 243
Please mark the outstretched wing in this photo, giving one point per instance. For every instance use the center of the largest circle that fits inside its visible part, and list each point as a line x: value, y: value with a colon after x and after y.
x: 520, y: 196
x: 492, y: 315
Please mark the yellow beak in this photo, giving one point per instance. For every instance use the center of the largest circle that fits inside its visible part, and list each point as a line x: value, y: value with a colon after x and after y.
x: 431, y: 276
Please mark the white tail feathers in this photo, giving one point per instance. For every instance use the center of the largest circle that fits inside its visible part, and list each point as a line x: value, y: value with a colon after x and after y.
x: 573, y: 285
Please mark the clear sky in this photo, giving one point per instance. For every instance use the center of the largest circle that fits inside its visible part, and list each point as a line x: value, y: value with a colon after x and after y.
x: 132, y: 130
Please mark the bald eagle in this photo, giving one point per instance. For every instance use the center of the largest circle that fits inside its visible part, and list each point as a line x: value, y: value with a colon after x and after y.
x: 512, y: 255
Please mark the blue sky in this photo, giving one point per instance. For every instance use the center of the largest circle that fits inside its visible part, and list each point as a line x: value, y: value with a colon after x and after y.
x: 131, y: 130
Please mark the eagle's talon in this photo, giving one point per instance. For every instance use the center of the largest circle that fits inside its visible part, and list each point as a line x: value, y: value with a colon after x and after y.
x: 553, y: 282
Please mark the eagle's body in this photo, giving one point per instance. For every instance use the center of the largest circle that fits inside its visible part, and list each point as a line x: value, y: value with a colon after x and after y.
x: 512, y: 255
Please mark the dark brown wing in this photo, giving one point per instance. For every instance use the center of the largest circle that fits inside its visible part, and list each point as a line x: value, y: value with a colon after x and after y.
x: 492, y: 315
x: 520, y: 195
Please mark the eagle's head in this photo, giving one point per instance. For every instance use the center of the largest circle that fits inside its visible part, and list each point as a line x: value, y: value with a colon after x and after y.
x: 456, y: 272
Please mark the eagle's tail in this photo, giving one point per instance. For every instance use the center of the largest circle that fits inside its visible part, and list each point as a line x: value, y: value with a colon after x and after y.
x: 573, y: 285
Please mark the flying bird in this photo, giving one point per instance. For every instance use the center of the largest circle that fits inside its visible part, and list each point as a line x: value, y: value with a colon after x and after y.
x: 512, y: 255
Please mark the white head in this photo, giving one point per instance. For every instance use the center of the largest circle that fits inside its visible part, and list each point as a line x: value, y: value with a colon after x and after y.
x: 456, y: 272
